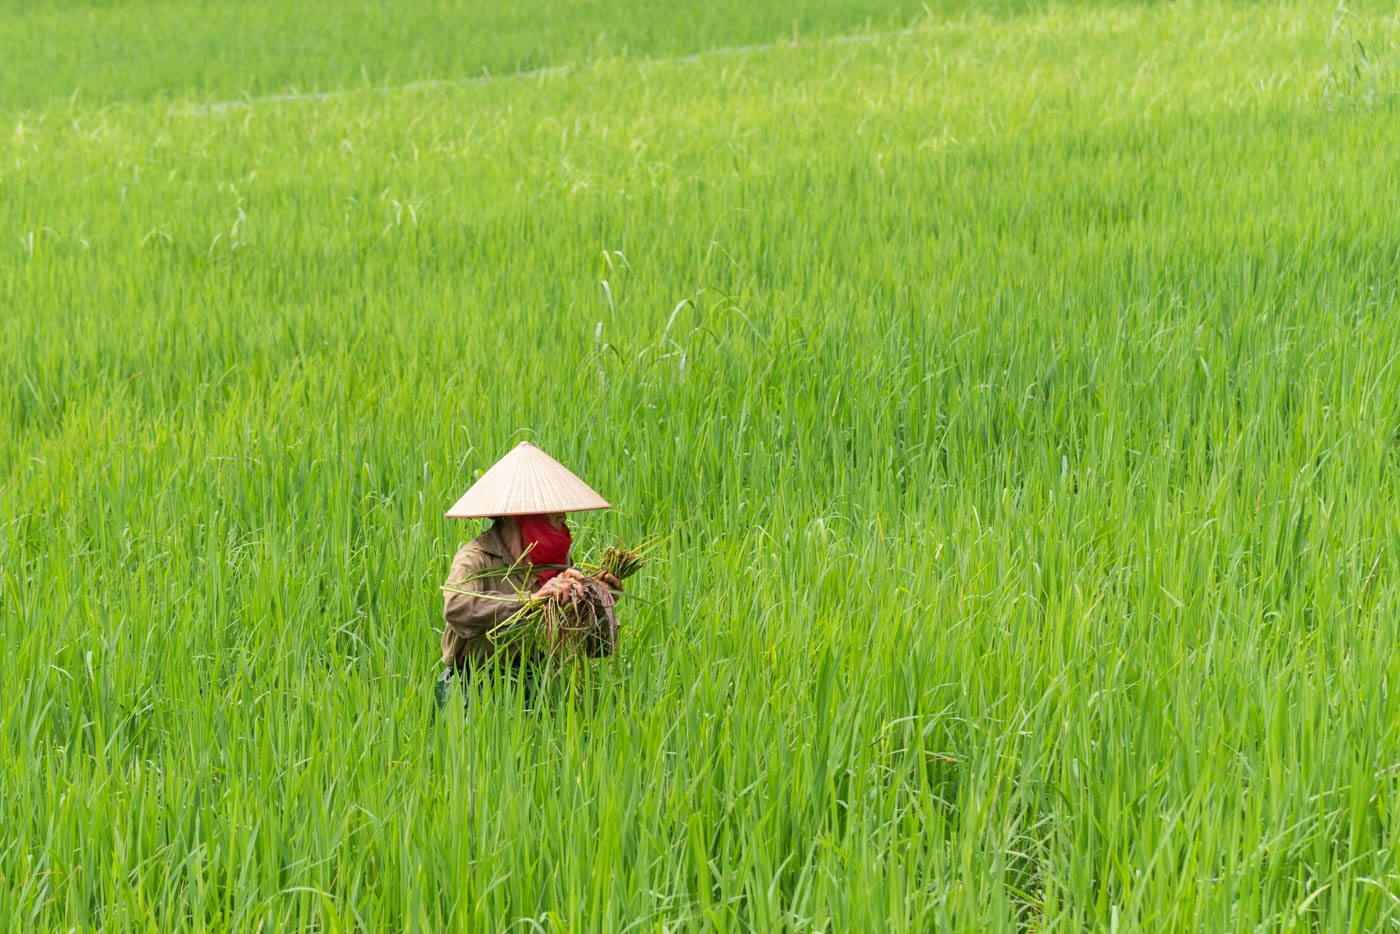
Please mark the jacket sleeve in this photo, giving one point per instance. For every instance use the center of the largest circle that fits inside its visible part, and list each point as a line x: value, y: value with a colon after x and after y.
x: 476, y: 610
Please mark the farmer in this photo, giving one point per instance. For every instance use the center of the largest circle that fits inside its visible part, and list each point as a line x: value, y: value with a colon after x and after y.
x: 524, y: 553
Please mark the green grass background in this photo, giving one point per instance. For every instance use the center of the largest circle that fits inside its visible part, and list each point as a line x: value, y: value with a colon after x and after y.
x: 97, y: 52
x: 1015, y: 395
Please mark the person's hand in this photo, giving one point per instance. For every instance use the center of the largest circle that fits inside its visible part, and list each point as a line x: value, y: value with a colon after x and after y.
x: 612, y: 582
x: 564, y: 586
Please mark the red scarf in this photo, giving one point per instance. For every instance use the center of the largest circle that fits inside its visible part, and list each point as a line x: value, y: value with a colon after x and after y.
x: 545, y: 544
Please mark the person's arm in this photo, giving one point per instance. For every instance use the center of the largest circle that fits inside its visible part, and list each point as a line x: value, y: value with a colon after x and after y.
x: 468, y: 606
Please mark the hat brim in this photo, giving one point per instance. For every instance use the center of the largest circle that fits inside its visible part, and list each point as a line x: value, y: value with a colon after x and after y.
x: 526, y: 482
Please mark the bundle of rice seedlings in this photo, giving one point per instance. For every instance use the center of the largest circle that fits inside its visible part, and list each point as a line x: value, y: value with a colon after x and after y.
x: 619, y: 562
x: 583, y: 626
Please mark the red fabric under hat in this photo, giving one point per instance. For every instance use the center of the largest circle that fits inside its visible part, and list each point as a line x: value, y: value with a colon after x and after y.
x: 545, y: 544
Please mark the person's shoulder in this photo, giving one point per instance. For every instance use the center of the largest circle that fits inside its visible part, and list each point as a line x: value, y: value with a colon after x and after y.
x: 485, y: 546
x: 469, y: 552
x: 468, y: 560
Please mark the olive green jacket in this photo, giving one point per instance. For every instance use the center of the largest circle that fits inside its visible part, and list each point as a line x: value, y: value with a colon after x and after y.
x: 487, y: 601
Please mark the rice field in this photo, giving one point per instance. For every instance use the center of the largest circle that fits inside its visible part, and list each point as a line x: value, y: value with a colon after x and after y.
x: 1012, y: 391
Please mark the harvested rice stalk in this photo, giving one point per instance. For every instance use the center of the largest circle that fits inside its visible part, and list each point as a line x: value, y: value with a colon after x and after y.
x: 584, y: 626
x: 619, y: 562
x: 566, y: 630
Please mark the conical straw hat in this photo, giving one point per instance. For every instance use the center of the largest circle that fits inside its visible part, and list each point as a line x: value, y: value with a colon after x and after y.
x: 525, y: 482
